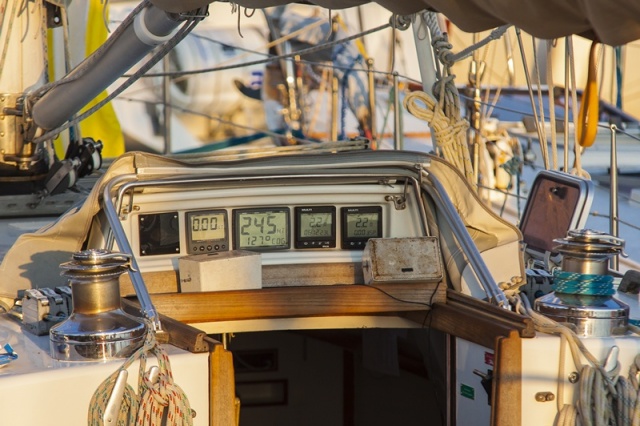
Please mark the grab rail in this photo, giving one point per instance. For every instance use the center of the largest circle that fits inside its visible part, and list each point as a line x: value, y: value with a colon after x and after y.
x: 485, y: 278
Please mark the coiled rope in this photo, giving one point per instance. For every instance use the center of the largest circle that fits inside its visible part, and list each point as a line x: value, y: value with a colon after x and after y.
x: 450, y: 133
x: 443, y: 112
x: 583, y: 284
x: 159, y: 400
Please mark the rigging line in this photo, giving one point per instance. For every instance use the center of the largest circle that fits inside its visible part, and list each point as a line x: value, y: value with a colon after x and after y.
x: 268, y: 45
x: 619, y: 130
x: 181, y: 75
x: 214, y: 118
x: 278, y: 57
x: 67, y: 60
x: 505, y: 193
x: 533, y: 104
x: 25, y: 9
x: 606, y: 216
x: 494, y: 35
x: 565, y: 136
x: 494, y: 103
x: 574, y: 103
x: 5, y: 47
x: 502, y: 108
x: 552, y: 105
x: 487, y: 91
x: 536, y: 66
x: 105, y: 15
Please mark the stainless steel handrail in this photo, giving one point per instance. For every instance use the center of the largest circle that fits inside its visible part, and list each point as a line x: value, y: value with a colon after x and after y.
x: 485, y: 278
x: 148, y: 309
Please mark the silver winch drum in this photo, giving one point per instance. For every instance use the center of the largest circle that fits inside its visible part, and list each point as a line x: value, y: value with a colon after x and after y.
x: 586, y: 252
x: 98, y: 328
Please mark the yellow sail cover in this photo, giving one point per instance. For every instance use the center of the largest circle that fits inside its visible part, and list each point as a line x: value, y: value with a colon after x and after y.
x: 103, y: 124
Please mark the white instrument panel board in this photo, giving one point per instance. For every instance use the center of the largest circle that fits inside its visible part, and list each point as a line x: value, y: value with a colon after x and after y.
x: 280, y: 210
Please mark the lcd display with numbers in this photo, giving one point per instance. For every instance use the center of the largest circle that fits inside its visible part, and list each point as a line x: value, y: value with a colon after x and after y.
x: 261, y: 229
x: 207, y: 231
x: 315, y: 227
x: 359, y: 224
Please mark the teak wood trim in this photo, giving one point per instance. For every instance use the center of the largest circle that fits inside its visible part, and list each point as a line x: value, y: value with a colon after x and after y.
x: 178, y: 334
x: 156, y: 282
x: 291, y: 302
x: 506, y: 394
x: 223, y: 407
x: 476, y: 321
x: 525, y: 324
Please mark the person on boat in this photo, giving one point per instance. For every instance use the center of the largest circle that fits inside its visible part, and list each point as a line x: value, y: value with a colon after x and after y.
x: 284, y: 100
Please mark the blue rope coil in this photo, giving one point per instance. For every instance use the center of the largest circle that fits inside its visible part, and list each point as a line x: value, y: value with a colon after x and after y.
x: 583, y: 284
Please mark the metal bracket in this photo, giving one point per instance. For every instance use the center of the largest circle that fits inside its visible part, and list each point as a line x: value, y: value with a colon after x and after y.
x: 400, y: 201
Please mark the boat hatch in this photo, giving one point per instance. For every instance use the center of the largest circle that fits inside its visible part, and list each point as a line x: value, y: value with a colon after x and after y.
x: 558, y: 203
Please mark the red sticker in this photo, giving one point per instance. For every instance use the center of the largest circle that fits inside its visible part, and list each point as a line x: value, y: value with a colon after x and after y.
x: 488, y: 358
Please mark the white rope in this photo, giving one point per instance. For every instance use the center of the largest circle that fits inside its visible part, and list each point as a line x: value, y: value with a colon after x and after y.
x: 442, y: 112
x: 450, y: 132
x: 5, y: 47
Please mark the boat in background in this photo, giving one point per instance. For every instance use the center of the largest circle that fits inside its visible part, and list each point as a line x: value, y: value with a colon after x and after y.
x: 209, y: 112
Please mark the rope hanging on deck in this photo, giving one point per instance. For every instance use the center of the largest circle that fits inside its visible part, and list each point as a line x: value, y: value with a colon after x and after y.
x: 159, y: 400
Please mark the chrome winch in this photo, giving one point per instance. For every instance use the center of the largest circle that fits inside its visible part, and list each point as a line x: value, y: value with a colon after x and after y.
x: 98, y: 328
x: 587, y: 251
x: 583, y: 286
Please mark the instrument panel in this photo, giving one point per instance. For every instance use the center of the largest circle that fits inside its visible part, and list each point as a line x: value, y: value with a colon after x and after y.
x: 291, y: 224
x: 261, y: 229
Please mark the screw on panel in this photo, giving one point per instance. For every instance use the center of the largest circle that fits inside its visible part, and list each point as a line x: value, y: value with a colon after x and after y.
x: 545, y: 396
x: 574, y: 377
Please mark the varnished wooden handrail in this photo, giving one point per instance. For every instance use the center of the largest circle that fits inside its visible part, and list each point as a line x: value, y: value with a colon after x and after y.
x: 176, y: 333
x: 304, y: 301
x: 474, y: 320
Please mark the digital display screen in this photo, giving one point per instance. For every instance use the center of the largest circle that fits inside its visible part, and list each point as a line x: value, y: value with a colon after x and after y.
x: 207, y: 226
x: 359, y: 224
x: 362, y: 225
x: 315, y: 227
x: 207, y: 231
x: 261, y: 229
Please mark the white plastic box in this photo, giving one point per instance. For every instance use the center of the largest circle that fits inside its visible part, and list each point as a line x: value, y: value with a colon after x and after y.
x: 228, y: 270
